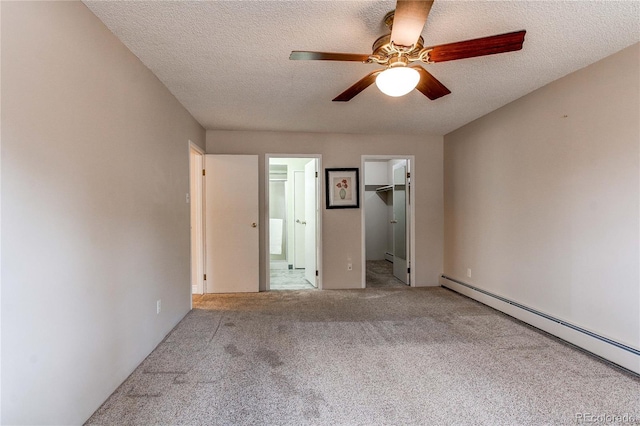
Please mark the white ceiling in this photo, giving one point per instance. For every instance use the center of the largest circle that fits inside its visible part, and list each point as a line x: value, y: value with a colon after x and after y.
x: 227, y: 61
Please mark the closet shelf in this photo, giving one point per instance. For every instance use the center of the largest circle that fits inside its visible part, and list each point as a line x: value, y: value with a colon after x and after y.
x: 384, y: 188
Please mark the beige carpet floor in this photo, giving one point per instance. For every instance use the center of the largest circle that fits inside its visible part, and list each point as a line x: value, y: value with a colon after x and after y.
x: 404, y: 356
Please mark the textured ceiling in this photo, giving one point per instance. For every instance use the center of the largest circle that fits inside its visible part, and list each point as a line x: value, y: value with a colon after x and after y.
x: 227, y: 61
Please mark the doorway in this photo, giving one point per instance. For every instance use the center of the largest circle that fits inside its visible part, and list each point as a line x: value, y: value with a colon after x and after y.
x: 292, y: 195
x: 196, y: 206
x: 387, y: 221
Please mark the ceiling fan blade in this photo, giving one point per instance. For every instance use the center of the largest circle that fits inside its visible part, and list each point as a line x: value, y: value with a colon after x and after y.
x: 362, y: 84
x: 501, y: 43
x: 408, y: 21
x: 430, y: 86
x: 297, y: 55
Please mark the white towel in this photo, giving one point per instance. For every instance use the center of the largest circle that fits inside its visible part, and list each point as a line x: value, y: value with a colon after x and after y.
x: 275, y: 236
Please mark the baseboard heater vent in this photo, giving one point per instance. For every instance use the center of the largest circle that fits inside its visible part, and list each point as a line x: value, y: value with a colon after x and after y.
x: 627, y: 356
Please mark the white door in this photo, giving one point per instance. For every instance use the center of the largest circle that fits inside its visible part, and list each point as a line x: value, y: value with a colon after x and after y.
x: 231, y: 223
x: 310, y: 214
x: 196, y: 181
x: 400, y: 222
x: 299, y: 227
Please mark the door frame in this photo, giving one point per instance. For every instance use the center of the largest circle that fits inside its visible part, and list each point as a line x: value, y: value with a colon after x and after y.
x: 411, y: 168
x: 197, y: 197
x: 267, y: 257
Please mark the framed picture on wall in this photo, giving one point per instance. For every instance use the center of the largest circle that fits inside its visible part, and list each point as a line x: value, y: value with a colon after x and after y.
x: 342, y: 186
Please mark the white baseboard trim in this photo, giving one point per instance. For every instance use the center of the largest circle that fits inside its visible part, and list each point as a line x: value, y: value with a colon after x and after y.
x: 618, y: 353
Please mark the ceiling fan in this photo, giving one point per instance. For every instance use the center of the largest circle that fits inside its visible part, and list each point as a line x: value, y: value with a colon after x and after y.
x: 405, y: 46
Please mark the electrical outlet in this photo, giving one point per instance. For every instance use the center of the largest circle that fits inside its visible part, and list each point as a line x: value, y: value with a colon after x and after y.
x: 469, y: 272
x: 158, y: 306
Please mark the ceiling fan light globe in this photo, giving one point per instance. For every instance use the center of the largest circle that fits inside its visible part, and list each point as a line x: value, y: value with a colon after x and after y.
x: 397, y: 81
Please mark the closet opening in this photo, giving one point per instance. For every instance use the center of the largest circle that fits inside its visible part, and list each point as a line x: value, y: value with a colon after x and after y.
x: 387, y: 212
x: 292, y: 195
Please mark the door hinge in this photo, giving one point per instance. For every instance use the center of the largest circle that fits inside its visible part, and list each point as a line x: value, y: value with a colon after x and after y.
x: 408, y: 175
x: 316, y: 272
x: 408, y: 270
x: 205, y: 277
x: 203, y: 172
x: 316, y: 174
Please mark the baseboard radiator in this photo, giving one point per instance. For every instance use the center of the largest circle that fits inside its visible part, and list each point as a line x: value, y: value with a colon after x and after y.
x: 623, y: 355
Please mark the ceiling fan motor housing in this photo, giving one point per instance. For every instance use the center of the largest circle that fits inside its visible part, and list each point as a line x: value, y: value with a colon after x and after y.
x: 383, y: 47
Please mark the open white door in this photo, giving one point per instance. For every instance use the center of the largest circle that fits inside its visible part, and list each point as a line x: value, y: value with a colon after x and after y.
x: 231, y: 223
x: 400, y: 223
x: 196, y: 182
x: 310, y: 213
x: 299, y: 226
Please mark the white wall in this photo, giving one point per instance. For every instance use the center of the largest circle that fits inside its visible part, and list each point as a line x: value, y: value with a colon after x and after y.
x: 542, y: 199
x: 341, y: 228
x: 377, y: 172
x: 95, y: 224
x: 377, y: 224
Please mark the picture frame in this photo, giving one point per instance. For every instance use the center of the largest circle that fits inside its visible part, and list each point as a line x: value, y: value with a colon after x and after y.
x: 342, y: 188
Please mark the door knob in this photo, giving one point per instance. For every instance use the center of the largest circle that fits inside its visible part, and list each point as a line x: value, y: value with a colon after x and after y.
x: 254, y: 225
x: 393, y: 221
